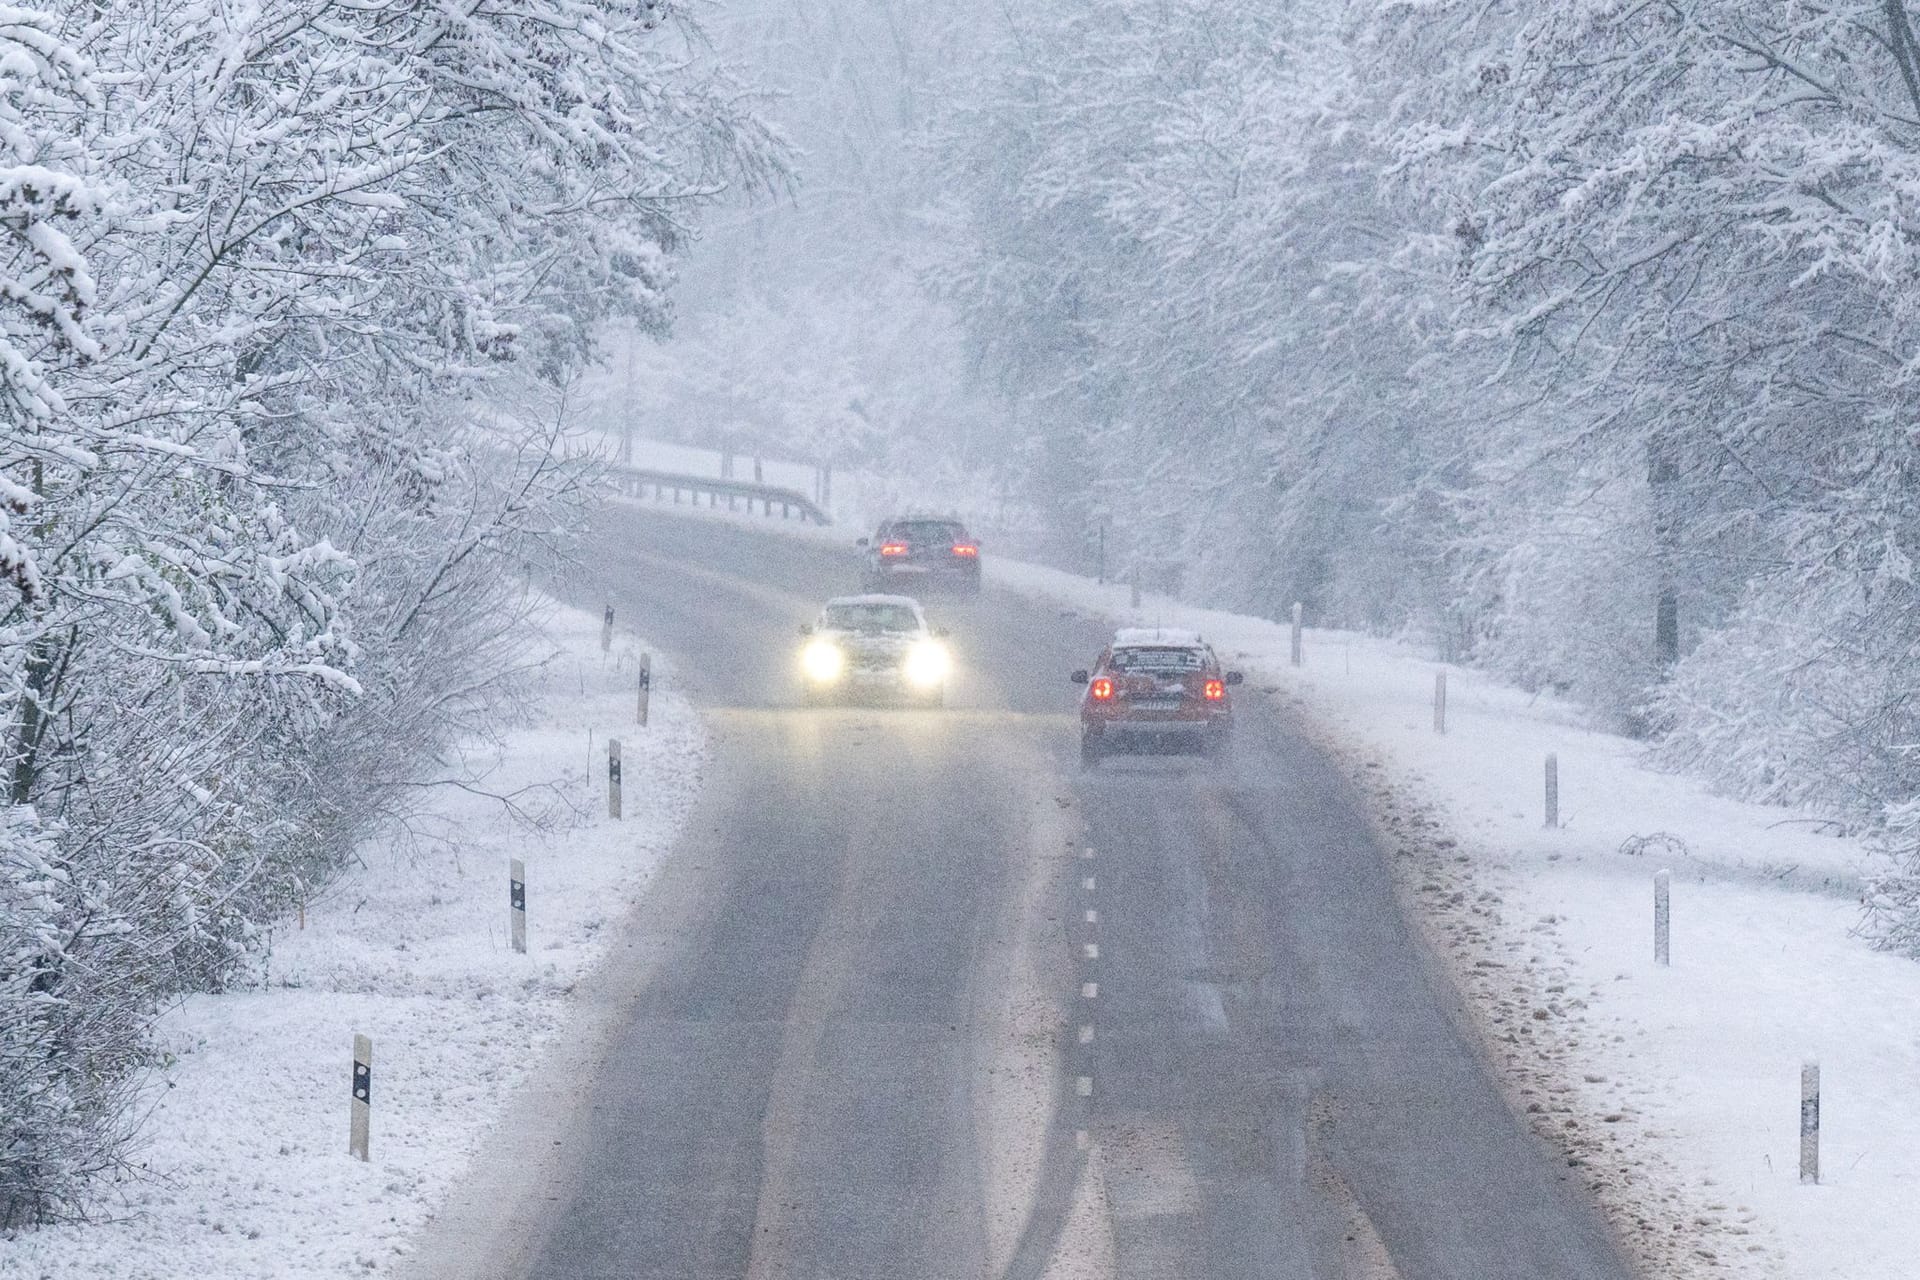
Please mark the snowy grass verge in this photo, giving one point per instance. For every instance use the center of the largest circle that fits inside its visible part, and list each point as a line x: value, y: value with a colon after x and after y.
x: 245, y: 1172
x: 1673, y: 1092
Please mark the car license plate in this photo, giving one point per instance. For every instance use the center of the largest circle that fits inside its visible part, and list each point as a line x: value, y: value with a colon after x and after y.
x: 1157, y: 703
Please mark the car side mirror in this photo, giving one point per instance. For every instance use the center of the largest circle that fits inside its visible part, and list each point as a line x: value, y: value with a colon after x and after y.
x: 860, y: 543
x: 1078, y: 677
x: 806, y: 628
x: 1234, y: 677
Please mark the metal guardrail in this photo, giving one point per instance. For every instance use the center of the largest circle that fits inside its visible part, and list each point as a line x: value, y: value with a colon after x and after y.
x: 668, y: 486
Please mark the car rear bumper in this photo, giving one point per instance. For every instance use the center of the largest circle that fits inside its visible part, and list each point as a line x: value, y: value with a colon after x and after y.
x: 1158, y: 727
x: 958, y: 571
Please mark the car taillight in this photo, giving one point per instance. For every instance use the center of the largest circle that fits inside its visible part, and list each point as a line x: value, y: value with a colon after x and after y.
x: 1216, y: 690
x: 964, y: 549
x: 893, y: 548
x: 1101, y: 690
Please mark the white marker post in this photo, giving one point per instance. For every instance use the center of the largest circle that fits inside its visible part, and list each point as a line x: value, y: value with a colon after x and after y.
x: 646, y: 687
x: 1439, y: 702
x: 1662, y: 879
x: 1810, y: 1122
x: 1553, y: 791
x: 362, y: 1096
x: 1134, y: 595
x: 517, y: 903
x: 613, y: 777
x: 606, y: 630
x: 1298, y: 653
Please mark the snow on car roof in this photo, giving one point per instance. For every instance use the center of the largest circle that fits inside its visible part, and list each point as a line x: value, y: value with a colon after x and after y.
x: 873, y: 599
x: 1155, y: 637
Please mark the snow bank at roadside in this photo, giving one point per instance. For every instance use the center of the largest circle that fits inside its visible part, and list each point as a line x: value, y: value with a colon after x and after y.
x: 1673, y: 1091
x: 244, y: 1166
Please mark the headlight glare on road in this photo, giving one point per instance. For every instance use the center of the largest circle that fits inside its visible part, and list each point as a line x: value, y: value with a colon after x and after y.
x: 928, y: 664
x: 823, y: 661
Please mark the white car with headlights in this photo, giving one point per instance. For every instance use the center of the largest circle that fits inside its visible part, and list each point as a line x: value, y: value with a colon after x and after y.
x: 874, y: 647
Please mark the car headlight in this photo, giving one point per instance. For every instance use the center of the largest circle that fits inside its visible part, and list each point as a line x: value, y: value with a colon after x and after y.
x: 928, y: 664
x: 823, y: 661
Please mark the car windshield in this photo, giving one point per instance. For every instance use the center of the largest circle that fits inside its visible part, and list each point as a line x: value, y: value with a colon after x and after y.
x: 877, y: 616
x: 1158, y: 660
x: 928, y: 532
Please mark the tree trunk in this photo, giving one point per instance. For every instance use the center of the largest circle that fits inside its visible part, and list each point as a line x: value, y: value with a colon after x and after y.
x: 33, y: 722
x: 1663, y: 481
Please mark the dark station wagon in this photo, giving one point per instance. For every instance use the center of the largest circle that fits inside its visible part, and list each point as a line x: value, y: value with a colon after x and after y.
x: 915, y: 554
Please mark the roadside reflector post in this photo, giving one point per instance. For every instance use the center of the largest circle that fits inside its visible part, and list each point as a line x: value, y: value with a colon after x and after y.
x: 1440, y: 702
x: 517, y: 902
x: 1553, y: 791
x: 606, y: 630
x: 646, y: 687
x: 1810, y: 1122
x: 1662, y: 880
x: 1299, y: 654
x: 362, y: 1096
x: 613, y: 777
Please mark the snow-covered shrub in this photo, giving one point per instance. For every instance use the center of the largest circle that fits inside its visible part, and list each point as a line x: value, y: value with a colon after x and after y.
x: 1566, y: 601
x: 1808, y: 696
x: 69, y: 1031
x: 1802, y: 699
x: 1891, y: 916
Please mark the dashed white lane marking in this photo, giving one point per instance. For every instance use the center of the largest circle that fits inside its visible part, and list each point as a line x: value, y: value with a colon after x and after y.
x: 1083, y: 1085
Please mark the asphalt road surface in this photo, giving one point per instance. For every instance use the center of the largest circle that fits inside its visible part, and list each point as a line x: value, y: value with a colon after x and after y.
x: 921, y: 998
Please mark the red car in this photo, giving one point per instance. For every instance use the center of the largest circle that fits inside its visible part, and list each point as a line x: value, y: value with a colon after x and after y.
x: 1155, y: 687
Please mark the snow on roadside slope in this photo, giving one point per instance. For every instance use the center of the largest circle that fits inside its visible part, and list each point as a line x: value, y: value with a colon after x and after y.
x: 245, y: 1167
x: 1673, y: 1091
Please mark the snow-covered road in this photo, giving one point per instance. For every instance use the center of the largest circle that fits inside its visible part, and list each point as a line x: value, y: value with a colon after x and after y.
x: 918, y: 997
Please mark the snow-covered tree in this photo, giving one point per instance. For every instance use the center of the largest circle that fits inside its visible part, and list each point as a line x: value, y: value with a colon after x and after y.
x: 264, y: 271
x: 1171, y: 249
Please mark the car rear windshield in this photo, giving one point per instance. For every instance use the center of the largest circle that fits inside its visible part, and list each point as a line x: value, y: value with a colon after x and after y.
x: 871, y: 617
x: 1158, y: 660
x: 926, y: 533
